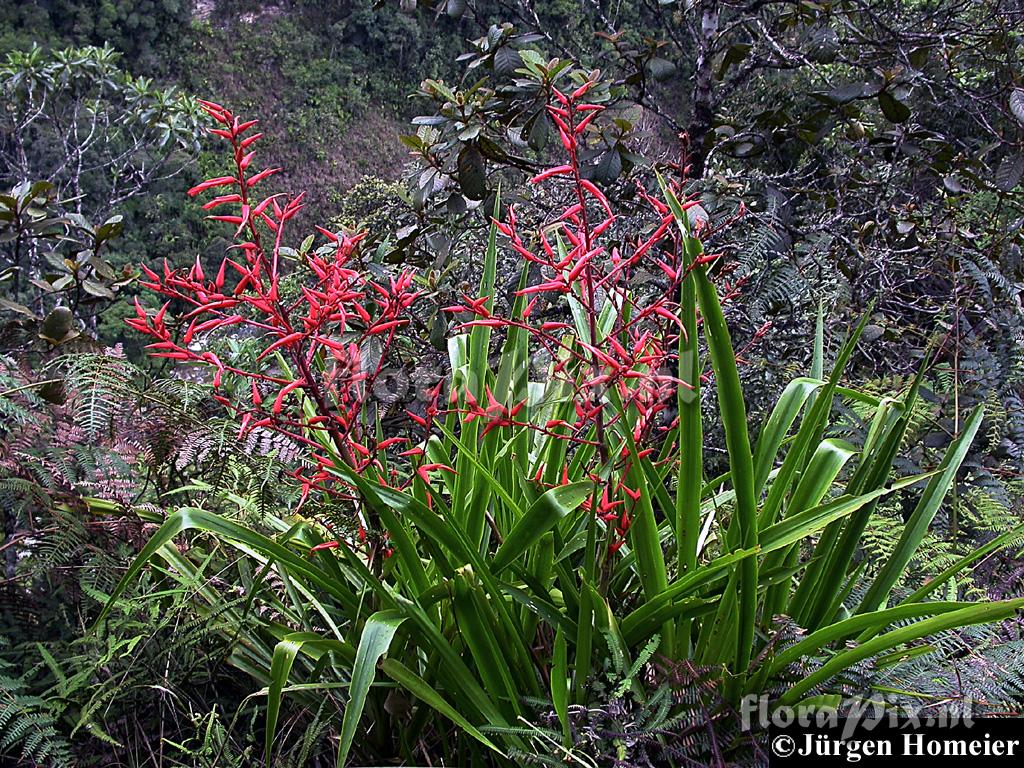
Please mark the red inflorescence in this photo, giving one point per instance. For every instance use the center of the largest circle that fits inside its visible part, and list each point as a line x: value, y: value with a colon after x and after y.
x: 337, y: 302
x: 635, y: 357
x: 339, y: 308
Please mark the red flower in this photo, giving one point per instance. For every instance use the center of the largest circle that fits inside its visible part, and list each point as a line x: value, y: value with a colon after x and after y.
x: 300, y: 331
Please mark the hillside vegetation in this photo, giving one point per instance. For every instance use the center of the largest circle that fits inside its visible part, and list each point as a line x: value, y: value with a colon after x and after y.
x: 504, y: 383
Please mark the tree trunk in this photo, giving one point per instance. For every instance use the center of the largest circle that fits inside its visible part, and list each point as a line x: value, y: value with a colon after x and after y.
x: 703, y: 87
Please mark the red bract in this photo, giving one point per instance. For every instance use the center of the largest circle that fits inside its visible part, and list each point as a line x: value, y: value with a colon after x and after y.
x: 311, y: 341
x: 579, y: 259
x: 311, y: 383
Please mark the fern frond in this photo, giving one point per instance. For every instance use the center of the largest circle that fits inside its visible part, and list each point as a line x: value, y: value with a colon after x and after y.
x: 28, y: 730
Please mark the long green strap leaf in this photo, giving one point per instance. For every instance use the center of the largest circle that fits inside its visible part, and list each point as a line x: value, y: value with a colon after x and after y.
x: 788, y: 407
x: 644, y: 618
x: 280, y: 667
x: 841, y: 630
x: 792, y: 529
x: 540, y: 518
x: 982, y: 613
x: 878, y: 465
x: 917, y: 526
x: 809, y: 434
x: 691, y: 428
x: 199, y: 519
x: 560, y: 684
x: 1003, y: 540
x: 378, y: 632
x: 476, y: 624
x: 422, y: 690
x: 742, y: 532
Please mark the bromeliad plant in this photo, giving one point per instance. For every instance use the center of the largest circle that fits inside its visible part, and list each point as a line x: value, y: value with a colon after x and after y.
x: 314, y: 338
x: 537, y: 525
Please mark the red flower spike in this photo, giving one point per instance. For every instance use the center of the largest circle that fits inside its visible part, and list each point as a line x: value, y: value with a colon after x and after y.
x: 221, y: 181
x: 425, y: 469
x: 561, y: 170
x: 285, y: 341
x: 256, y: 179
x: 585, y: 122
x: 567, y: 141
x: 418, y: 419
x: 329, y: 235
x: 338, y: 302
x: 633, y: 494
x: 324, y: 546
x: 580, y: 92
x: 278, y: 405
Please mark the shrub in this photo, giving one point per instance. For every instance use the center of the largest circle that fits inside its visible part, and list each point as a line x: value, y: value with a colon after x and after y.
x: 520, y: 535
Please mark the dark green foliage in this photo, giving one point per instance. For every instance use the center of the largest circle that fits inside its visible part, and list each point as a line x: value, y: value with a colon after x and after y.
x: 28, y: 732
x: 881, y: 171
x: 139, y: 28
x: 649, y: 714
x: 77, y: 483
x: 978, y: 669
